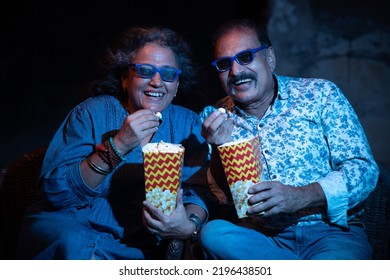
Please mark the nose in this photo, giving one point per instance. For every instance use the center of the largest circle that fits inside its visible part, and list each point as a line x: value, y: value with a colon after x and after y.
x: 156, y: 80
x: 236, y: 67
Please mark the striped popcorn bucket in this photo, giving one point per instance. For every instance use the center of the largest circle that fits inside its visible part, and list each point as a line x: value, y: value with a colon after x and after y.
x: 242, y: 165
x: 162, y: 170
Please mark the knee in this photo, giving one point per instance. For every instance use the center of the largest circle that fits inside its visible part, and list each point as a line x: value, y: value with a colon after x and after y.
x: 212, y: 232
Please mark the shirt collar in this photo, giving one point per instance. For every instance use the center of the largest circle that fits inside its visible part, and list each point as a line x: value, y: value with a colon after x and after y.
x: 282, y: 87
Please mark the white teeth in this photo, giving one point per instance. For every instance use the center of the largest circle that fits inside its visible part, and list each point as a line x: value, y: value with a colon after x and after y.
x: 243, y: 81
x: 154, y: 94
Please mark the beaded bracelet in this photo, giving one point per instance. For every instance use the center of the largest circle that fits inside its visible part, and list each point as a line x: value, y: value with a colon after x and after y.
x: 115, y: 150
x: 97, y: 168
x: 107, y: 154
x: 112, y: 156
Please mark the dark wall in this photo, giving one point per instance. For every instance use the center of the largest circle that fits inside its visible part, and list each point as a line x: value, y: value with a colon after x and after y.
x: 49, y: 48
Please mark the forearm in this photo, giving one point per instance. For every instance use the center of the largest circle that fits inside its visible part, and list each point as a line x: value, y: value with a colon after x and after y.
x: 100, y: 163
x: 311, y: 196
x: 197, y: 210
x: 197, y: 217
x: 90, y: 170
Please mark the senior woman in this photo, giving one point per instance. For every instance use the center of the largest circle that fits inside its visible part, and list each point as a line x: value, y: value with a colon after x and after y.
x: 92, y: 180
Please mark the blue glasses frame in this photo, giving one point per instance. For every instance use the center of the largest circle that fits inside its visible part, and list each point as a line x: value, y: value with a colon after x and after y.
x: 147, y: 71
x: 225, y: 63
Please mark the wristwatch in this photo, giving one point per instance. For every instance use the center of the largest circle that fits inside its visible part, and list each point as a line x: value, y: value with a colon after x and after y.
x: 198, y: 226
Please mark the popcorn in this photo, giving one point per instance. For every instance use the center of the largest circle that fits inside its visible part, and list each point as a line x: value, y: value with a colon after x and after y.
x: 162, y: 169
x: 158, y: 115
x: 162, y: 199
x: 222, y: 110
x: 162, y: 147
x: 240, y: 196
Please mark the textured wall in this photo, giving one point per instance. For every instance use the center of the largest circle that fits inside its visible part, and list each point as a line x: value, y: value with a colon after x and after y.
x: 349, y: 48
x: 49, y: 48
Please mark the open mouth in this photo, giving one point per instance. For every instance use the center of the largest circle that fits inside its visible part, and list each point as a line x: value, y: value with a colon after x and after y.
x: 242, y: 81
x: 154, y: 94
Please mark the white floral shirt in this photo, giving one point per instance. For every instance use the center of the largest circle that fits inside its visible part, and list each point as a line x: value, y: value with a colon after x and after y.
x: 312, y: 134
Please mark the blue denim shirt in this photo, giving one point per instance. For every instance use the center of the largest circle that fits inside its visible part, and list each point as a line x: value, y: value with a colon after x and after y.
x: 312, y: 134
x: 117, y: 201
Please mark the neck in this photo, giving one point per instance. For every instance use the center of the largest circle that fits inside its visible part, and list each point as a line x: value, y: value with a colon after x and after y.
x: 126, y: 104
x: 258, y: 108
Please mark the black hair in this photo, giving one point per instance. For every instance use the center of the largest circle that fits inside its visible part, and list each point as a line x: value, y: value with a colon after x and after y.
x: 120, y: 54
x: 259, y: 29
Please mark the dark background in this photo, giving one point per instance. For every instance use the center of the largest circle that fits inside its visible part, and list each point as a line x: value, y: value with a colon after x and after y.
x: 48, y: 51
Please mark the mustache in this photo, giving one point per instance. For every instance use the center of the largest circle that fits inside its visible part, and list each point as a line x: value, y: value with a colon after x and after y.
x: 233, y: 79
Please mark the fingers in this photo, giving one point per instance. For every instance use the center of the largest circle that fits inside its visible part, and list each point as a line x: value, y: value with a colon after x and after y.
x: 149, y: 223
x: 154, y: 212
x: 179, y: 198
x: 212, y: 118
x: 259, y: 208
x: 259, y: 187
x: 136, y: 127
x: 144, y: 120
x: 217, y: 128
x: 215, y: 121
x: 273, y: 197
x: 260, y: 194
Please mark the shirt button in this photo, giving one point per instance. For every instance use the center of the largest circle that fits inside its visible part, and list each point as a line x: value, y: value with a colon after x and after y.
x: 266, y: 152
x: 274, y: 177
x: 260, y: 125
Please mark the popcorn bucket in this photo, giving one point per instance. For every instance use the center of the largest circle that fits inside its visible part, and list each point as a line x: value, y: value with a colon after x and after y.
x: 242, y: 165
x: 162, y: 169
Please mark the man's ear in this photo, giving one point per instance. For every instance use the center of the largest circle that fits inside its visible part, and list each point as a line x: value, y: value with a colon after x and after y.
x: 271, y: 59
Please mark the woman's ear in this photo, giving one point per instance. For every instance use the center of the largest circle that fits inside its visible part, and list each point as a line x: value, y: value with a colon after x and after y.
x: 271, y: 59
x: 124, y: 83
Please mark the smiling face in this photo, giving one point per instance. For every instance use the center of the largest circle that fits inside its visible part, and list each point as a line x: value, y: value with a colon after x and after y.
x: 251, y: 83
x: 150, y: 93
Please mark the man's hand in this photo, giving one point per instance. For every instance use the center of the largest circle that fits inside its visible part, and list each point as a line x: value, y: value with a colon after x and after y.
x: 272, y: 197
x: 217, y: 128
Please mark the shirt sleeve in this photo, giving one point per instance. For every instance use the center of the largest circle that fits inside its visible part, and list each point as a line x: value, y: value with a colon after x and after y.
x: 337, y: 198
x: 355, y: 171
x: 62, y: 182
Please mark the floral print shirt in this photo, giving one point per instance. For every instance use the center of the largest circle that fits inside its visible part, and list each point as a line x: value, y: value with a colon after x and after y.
x: 312, y: 134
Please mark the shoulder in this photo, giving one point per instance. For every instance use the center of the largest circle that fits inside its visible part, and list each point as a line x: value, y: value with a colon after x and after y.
x: 291, y: 82
x: 99, y: 103
x: 309, y: 87
x: 101, y: 100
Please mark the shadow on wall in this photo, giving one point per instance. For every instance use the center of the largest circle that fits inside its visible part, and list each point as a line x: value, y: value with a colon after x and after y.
x: 50, y: 50
x: 347, y: 43
x: 50, y: 53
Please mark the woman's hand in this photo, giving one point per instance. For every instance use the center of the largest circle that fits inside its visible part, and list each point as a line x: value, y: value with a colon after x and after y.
x: 136, y: 127
x: 175, y: 226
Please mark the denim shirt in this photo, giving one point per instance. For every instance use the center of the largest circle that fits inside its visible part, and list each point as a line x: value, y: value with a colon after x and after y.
x: 312, y: 134
x: 117, y: 201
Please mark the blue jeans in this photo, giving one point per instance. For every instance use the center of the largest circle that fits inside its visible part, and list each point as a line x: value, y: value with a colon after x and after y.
x: 65, y: 235
x: 223, y: 240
